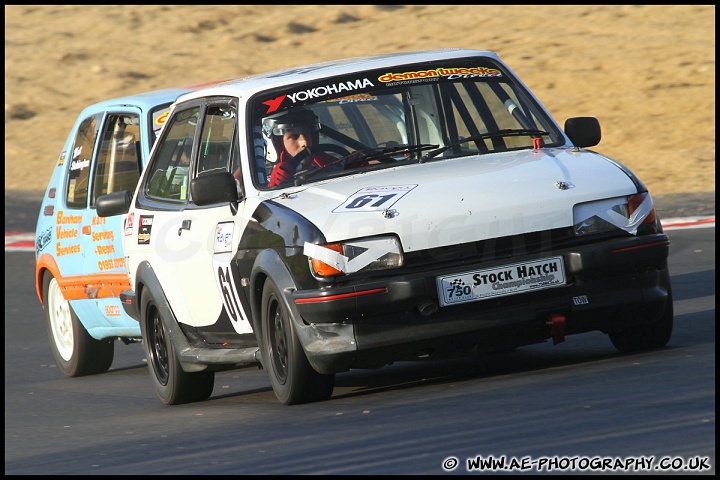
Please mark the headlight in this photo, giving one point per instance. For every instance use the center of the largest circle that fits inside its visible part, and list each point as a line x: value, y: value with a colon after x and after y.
x: 635, y: 214
x: 365, y: 254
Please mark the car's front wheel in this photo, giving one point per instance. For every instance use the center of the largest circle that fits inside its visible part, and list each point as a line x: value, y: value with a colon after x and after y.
x: 75, y: 351
x: 173, y: 385
x: 652, y: 335
x: 293, y: 380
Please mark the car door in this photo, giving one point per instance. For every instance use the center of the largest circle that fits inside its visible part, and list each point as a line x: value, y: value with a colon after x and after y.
x: 89, y: 248
x: 116, y: 165
x: 180, y: 239
x: 209, y: 233
x: 155, y: 218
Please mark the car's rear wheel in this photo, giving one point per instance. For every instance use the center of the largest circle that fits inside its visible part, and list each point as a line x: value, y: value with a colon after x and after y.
x: 652, y: 335
x: 75, y: 351
x: 293, y: 380
x: 173, y: 385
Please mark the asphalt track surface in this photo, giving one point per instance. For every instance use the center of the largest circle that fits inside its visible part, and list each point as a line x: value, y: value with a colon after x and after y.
x: 579, y: 403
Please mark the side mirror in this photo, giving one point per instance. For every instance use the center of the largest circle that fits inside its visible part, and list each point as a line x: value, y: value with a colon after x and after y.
x: 213, y: 188
x: 111, y: 204
x: 583, y: 131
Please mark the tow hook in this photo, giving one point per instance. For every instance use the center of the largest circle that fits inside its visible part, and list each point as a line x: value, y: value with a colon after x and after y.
x: 557, y: 327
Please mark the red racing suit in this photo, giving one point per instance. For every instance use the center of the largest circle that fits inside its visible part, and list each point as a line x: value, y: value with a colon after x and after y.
x: 284, y: 170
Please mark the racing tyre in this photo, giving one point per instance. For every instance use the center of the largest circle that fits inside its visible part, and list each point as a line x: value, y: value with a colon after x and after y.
x: 293, y: 380
x: 75, y: 351
x: 173, y: 385
x: 652, y: 335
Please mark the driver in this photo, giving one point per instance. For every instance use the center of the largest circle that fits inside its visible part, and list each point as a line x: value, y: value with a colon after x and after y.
x: 292, y: 134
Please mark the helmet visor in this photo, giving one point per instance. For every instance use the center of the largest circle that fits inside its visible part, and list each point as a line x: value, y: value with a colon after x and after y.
x: 304, y: 128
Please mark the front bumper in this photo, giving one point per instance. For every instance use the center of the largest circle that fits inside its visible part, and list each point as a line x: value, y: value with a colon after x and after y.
x: 364, y: 325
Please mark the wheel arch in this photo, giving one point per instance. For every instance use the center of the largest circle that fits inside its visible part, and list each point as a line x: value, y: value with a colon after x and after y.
x: 269, y: 264
x: 146, y: 281
x: 45, y: 264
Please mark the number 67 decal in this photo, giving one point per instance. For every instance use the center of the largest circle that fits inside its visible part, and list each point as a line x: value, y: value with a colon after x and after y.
x: 373, y: 198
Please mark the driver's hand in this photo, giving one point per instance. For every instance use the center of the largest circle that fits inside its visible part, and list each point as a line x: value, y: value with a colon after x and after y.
x: 282, y: 173
x: 352, y: 160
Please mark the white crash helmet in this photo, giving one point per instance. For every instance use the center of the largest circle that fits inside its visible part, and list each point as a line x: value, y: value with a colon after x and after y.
x: 275, y: 126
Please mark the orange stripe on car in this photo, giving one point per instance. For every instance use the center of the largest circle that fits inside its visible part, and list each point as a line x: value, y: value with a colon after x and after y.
x: 78, y: 287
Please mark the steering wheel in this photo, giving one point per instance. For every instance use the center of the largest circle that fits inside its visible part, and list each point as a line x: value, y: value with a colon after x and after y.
x: 333, y: 148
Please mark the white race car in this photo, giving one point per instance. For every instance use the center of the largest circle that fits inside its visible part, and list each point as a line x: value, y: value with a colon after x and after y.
x: 359, y: 212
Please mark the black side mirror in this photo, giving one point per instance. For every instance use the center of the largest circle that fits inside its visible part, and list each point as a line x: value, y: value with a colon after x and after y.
x: 111, y: 204
x: 213, y: 188
x: 583, y: 131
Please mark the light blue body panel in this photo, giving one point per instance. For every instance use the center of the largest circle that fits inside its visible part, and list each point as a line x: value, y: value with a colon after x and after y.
x: 104, y: 318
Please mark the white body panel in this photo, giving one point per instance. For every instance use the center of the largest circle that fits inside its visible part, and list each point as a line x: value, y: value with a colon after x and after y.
x: 482, y: 197
x: 188, y: 260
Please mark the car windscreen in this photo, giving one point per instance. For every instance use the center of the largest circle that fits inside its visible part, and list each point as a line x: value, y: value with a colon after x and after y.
x: 431, y: 111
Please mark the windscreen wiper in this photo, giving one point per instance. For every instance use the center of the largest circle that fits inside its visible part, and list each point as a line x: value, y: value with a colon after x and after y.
x: 375, y: 153
x: 508, y: 132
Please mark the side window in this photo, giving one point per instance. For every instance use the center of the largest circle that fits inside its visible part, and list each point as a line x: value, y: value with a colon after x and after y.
x: 170, y: 171
x: 216, y: 139
x: 118, y: 160
x: 79, y: 173
x: 235, y: 167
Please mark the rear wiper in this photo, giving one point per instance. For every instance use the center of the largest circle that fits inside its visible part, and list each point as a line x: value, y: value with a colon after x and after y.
x: 509, y: 132
x: 375, y: 153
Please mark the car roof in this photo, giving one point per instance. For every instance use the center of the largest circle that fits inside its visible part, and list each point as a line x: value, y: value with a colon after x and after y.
x: 151, y: 99
x: 250, y: 85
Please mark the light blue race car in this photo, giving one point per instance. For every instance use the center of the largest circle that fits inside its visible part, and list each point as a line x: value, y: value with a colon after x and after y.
x: 79, y: 263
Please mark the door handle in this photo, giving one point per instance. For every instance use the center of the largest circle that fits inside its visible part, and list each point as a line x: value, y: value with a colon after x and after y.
x: 185, y: 226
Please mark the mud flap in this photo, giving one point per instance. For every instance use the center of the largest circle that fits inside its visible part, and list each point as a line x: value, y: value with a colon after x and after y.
x: 557, y: 327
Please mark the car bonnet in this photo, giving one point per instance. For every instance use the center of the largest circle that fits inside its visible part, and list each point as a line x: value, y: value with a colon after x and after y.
x: 460, y: 200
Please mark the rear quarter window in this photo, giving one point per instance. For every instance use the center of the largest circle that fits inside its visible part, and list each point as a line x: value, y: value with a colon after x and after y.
x: 78, y: 179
